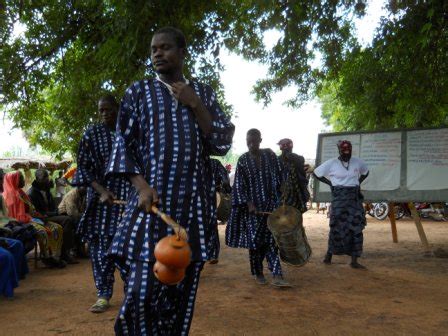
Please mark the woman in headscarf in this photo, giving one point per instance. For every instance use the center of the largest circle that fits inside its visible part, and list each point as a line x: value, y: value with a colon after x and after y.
x: 19, y: 207
x: 344, y: 175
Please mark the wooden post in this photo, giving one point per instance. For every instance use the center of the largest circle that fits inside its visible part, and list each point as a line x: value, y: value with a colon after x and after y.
x: 420, y: 230
x: 393, y: 223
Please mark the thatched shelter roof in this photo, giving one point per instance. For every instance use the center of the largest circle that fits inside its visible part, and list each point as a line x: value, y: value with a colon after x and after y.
x: 32, y: 163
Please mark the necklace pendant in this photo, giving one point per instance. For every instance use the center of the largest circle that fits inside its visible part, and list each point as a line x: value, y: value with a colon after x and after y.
x: 345, y: 164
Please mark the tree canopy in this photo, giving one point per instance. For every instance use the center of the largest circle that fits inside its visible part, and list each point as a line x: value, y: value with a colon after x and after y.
x: 401, y: 80
x: 72, y: 51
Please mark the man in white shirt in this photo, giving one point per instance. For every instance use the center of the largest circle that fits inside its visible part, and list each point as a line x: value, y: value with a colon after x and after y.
x: 347, y: 220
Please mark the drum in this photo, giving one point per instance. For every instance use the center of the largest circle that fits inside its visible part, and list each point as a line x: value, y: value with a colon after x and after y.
x: 285, y: 224
x: 223, y: 206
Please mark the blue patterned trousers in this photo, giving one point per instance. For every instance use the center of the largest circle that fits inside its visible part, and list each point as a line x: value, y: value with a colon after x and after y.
x: 256, y: 257
x: 151, y: 308
x: 213, y: 245
x: 103, y: 267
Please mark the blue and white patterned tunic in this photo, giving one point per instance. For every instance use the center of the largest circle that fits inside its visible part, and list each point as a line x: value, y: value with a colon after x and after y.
x: 161, y: 140
x: 220, y: 174
x: 98, y: 220
x: 261, y: 186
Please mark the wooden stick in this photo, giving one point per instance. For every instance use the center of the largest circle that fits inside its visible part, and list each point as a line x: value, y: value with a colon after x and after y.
x: 393, y: 224
x: 263, y: 213
x: 180, y: 230
x: 420, y: 230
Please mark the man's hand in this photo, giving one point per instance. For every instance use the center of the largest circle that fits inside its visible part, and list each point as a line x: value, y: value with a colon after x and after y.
x: 107, y: 197
x: 308, y: 168
x: 185, y: 94
x: 251, y: 207
x: 147, y: 197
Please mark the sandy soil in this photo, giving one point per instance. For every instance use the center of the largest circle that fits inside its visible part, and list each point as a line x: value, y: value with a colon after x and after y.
x: 403, y: 292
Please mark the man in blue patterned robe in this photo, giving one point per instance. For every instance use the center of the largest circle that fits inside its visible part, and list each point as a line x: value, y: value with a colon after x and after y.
x: 222, y: 183
x: 256, y: 189
x: 101, y: 217
x: 220, y: 176
x: 167, y: 129
x: 295, y: 184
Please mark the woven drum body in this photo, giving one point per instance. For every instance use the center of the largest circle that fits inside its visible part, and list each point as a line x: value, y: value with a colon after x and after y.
x: 285, y: 224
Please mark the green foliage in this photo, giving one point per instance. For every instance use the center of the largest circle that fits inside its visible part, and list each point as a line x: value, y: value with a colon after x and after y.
x: 72, y: 51
x: 401, y: 80
x: 308, y: 28
x: 229, y: 158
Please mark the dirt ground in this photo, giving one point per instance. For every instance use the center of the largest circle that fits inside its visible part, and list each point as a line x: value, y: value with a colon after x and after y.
x: 403, y: 292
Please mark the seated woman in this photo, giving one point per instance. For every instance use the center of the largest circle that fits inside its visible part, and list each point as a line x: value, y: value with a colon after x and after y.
x: 21, y: 209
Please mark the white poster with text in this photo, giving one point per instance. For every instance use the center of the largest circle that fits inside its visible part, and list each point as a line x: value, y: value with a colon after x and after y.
x: 427, y: 159
x: 382, y: 154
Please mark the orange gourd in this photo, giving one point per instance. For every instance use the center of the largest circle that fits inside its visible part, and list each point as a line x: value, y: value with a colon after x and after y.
x: 173, y: 252
x: 168, y: 276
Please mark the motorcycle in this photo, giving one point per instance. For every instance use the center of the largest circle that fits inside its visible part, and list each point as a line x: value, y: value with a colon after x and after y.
x: 368, y: 207
x: 381, y: 210
x: 433, y: 211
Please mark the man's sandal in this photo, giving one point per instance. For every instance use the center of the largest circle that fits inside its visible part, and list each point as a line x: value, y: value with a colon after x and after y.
x: 100, y: 306
x: 279, y: 282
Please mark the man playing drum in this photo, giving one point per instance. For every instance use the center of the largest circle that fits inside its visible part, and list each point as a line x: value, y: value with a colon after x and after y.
x: 256, y: 189
x: 295, y: 186
x: 100, y: 220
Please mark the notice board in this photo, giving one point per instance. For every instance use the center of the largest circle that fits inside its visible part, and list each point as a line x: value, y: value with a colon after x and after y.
x: 405, y: 165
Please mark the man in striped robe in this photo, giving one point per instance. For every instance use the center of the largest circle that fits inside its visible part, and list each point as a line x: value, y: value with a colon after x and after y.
x: 295, y: 184
x: 101, y: 217
x: 167, y: 129
x: 256, y: 189
x: 222, y: 183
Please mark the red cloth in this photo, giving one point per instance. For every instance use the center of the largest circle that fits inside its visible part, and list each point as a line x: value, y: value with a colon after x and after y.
x: 344, y: 144
x: 14, y: 196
